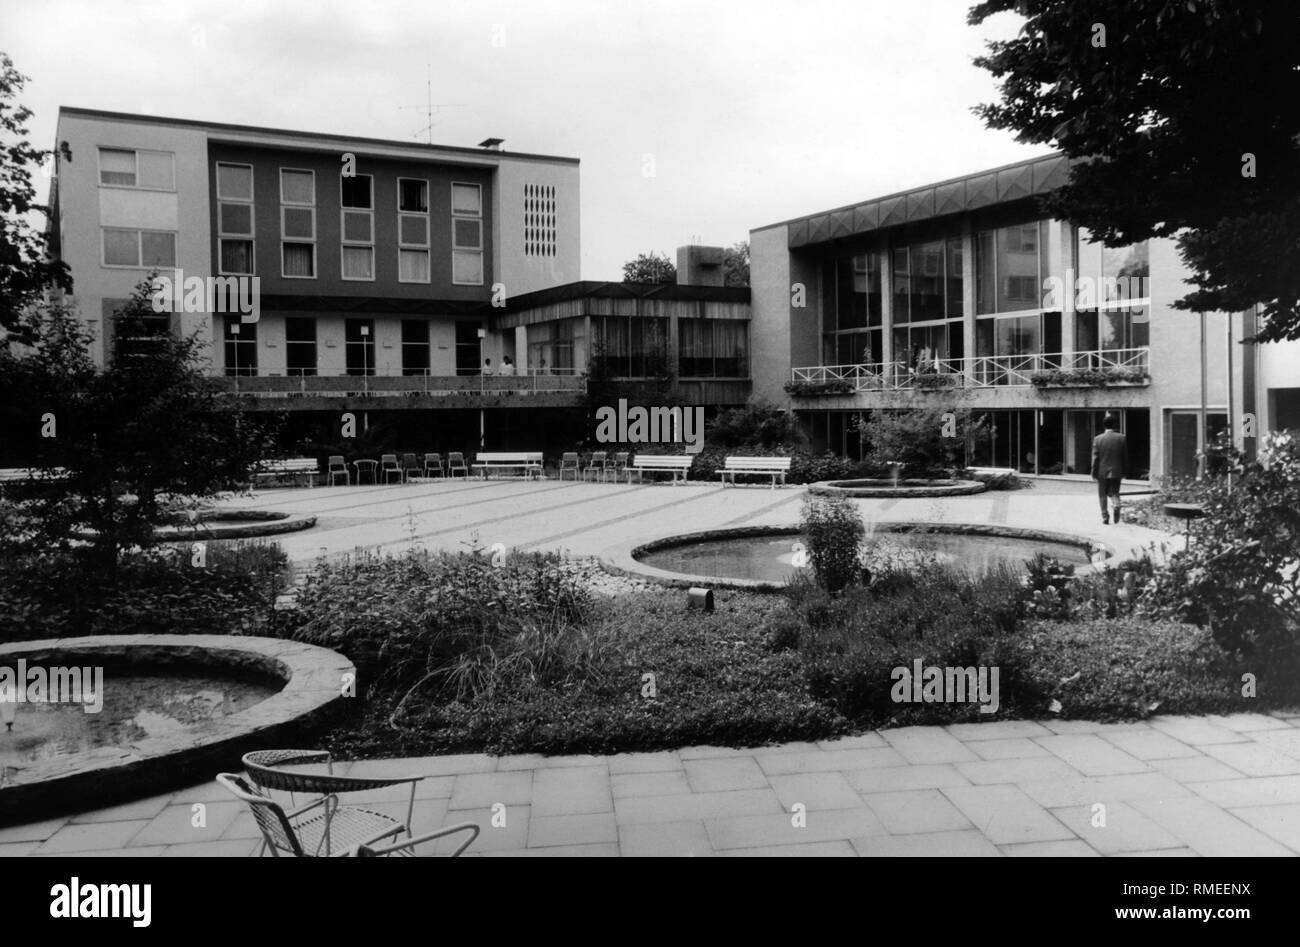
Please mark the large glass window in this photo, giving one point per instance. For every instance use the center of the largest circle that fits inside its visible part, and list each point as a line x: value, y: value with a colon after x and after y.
x: 413, y: 231
x: 713, y: 348
x: 1011, y: 264
x: 240, y: 346
x: 121, y: 167
x: 551, y: 347
x: 927, y: 281
x: 235, y: 219
x: 467, y: 234
x: 632, y: 347
x: 857, y: 292
x: 415, y: 347
x: 359, y: 345
x: 145, y: 249
x: 358, y: 227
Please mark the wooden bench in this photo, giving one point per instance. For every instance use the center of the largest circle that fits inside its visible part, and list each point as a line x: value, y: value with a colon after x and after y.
x: 674, y: 464
x: 527, y: 462
x: 288, y: 469
x: 758, y: 466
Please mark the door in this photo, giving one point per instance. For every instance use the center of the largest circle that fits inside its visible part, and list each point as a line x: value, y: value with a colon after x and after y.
x: 469, y: 348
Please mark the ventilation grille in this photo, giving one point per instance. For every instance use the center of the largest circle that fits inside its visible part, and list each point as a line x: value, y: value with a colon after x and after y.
x: 539, y: 220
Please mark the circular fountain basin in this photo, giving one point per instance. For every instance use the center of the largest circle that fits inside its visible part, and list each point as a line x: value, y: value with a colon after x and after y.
x: 173, y: 710
x: 901, y: 488
x: 766, y: 558
x: 227, y: 524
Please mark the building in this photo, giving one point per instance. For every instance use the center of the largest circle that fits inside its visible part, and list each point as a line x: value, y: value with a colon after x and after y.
x: 960, y: 294
x: 394, y: 279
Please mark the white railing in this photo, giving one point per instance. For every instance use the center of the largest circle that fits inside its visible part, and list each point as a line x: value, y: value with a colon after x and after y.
x: 266, y: 383
x: 984, y: 371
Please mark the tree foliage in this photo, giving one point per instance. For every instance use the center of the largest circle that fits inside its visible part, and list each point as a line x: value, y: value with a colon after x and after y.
x: 735, y: 264
x: 25, y: 270
x: 1182, y: 120
x: 650, y: 268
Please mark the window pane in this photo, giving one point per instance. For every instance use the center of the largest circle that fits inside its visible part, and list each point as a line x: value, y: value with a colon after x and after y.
x: 413, y: 266
x: 156, y: 170
x: 356, y: 191
x: 954, y: 272
x: 1017, y: 263
x: 297, y: 187
x: 122, y: 247
x: 927, y: 281
x: 414, y: 230
x: 851, y: 292
x: 902, y: 312
x: 414, y: 196
x: 116, y: 166
x: 358, y: 263
x: 237, y: 256
x: 467, y: 234
x: 1124, y: 262
x: 300, y: 222
x: 299, y: 259
x: 466, y: 267
x: 236, y: 218
x: 356, y: 226
x: 466, y: 199
x: 235, y: 181
x: 158, y: 249
x: 985, y: 273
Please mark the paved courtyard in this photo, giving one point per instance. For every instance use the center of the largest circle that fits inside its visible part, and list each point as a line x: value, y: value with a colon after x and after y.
x: 1167, y: 786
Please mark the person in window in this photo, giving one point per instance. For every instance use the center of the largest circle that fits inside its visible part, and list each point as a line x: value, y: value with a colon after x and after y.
x: 507, y: 366
x: 487, y: 366
x: 1109, y: 465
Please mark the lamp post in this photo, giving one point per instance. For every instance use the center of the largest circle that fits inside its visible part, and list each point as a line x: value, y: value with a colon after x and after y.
x: 1203, y: 433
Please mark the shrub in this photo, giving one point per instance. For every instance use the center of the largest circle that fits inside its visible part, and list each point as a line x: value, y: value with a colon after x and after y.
x: 816, y: 389
x: 915, y: 438
x: 1088, y: 377
x: 833, y: 530
x: 757, y: 424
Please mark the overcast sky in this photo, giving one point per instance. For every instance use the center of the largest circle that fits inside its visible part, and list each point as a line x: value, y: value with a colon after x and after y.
x: 754, y: 111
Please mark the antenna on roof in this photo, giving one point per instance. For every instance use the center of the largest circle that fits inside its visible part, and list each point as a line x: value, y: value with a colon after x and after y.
x: 429, y: 106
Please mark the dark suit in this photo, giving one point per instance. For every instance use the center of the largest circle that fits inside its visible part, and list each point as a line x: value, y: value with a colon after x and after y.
x: 1109, y: 466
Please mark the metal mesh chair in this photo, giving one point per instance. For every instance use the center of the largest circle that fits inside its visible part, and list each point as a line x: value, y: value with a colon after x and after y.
x: 617, y: 464
x: 569, y: 461
x: 337, y: 468
x: 596, y: 465
x: 433, y: 462
x: 388, y: 466
x: 338, y: 827
x: 455, y: 462
x: 410, y: 466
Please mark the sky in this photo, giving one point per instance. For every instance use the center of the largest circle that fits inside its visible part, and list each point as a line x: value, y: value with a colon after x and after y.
x: 695, y: 121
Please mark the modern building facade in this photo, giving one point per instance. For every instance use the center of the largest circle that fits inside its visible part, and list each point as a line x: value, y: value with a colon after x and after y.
x: 961, y: 295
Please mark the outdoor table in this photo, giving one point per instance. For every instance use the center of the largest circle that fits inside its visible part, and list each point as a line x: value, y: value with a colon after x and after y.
x: 1185, y: 511
x: 374, y: 470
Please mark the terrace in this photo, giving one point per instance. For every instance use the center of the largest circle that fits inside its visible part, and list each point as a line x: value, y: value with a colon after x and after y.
x: 470, y: 391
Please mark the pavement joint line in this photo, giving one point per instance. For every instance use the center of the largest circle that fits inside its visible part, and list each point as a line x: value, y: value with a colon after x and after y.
x: 389, y: 494
x: 609, y: 522
x: 763, y: 511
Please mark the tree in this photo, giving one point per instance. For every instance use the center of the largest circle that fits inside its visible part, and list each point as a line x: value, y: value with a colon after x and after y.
x: 138, y: 441
x: 735, y: 264
x: 1182, y: 120
x: 650, y: 268
x: 917, y: 438
x: 25, y: 270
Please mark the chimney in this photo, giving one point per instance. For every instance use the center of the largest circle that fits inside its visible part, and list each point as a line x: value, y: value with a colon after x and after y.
x: 700, y: 266
x: 491, y: 144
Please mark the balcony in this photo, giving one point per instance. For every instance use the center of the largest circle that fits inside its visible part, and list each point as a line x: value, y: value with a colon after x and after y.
x: 397, y: 391
x: 1093, y: 369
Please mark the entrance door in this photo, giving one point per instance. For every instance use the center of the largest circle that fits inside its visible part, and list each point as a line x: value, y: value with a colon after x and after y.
x: 469, y: 348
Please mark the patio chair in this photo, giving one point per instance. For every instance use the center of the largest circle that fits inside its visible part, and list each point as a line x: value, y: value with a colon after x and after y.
x: 337, y: 468
x: 324, y: 828
x: 596, y: 465
x: 569, y: 461
x: 388, y: 466
x: 455, y: 462
x: 433, y: 462
x: 410, y: 467
x: 618, y: 463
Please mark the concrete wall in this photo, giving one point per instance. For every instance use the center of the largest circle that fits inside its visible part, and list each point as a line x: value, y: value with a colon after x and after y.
x: 771, y: 315
x: 86, y: 208
x: 520, y: 272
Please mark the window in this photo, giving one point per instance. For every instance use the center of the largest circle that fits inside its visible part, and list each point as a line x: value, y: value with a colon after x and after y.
x: 632, y: 347
x: 1011, y: 265
x: 240, y: 346
x: 135, y: 335
x: 713, y: 348
x: 142, y: 249
x: 539, y: 220
x: 469, y: 348
x: 300, y: 346
x: 412, y: 231
x: 467, y: 234
x: 297, y: 224
x: 415, y: 347
x: 359, y: 345
x: 235, y: 219
x: 551, y: 347
x: 151, y: 170
x: 358, y: 227
x: 1118, y: 275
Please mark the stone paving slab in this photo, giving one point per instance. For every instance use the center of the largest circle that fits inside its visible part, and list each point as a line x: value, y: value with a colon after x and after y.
x: 1174, y: 786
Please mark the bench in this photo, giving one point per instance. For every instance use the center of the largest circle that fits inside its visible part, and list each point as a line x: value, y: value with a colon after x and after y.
x: 526, y: 462
x: 759, y: 466
x: 288, y: 469
x: 671, y: 463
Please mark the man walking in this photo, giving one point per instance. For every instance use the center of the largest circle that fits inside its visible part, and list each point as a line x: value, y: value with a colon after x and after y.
x: 1109, y: 465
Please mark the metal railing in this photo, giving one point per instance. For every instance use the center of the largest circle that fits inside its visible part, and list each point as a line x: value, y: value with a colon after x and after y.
x: 983, y: 371
x: 271, y: 384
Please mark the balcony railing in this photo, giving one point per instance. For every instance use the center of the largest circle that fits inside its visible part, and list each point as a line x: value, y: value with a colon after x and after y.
x: 267, y: 384
x: 984, y: 371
